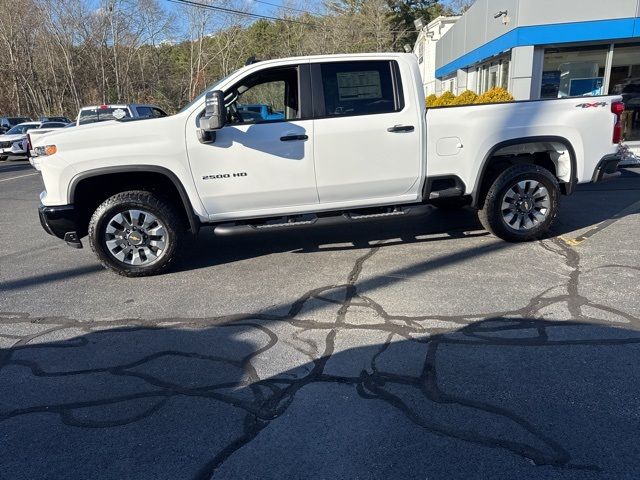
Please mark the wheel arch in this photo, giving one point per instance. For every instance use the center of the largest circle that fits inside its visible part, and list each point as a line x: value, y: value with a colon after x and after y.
x: 490, y: 158
x: 111, y: 172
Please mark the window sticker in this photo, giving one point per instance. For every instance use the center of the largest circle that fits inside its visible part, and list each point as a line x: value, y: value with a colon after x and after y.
x: 359, y: 85
x: 119, y: 114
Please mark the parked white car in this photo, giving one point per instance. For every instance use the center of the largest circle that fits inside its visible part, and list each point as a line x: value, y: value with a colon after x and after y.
x: 15, y: 143
x: 356, y: 142
x: 15, y: 134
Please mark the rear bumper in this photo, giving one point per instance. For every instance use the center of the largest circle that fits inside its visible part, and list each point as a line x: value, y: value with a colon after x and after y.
x: 607, y: 167
x: 61, y: 221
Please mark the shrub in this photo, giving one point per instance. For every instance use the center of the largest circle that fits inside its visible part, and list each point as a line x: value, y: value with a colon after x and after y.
x: 495, y: 95
x: 431, y: 100
x: 465, y: 98
x: 445, y: 99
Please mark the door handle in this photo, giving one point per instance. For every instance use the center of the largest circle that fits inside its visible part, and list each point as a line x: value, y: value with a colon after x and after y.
x: 290, y: 138
x: 401, y: 128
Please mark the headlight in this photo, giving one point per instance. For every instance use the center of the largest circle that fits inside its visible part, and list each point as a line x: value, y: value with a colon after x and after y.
x: 45, y: 151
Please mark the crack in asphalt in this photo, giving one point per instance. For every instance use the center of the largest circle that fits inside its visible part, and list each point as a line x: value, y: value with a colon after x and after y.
x: 272, y: 396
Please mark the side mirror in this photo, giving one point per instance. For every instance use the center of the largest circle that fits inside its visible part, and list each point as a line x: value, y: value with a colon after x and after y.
x: 215, y: 116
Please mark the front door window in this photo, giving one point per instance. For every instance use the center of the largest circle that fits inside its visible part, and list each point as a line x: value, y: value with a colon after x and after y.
x: 264, y: 97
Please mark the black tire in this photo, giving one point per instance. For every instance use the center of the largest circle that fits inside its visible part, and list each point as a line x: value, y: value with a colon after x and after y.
x: 164, y: 211
x: 452, y: 203
x: 3, y: 158
x: 491, y: 214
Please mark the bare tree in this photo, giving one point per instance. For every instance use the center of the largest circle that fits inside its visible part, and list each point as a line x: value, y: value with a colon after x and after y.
x: 69, y: 53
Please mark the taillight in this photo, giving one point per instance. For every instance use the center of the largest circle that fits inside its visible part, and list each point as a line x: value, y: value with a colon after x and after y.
x: 617, y: 108
x: 28, y: 143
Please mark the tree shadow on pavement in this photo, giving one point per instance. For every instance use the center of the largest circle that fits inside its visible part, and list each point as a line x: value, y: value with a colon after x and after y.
x: 293, y: 397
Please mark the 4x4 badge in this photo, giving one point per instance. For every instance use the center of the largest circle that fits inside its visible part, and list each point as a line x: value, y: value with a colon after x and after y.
x: 591, y: 105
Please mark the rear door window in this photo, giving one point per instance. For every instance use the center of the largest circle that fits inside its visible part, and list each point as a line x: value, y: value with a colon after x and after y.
x: 359, y: 88
x: 144, y: 112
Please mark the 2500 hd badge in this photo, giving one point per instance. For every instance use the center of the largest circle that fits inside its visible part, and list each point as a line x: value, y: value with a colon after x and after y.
x: 224, y: 175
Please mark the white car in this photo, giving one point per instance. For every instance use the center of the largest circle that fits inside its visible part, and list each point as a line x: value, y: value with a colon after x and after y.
x: 356, y: 142
x: 15, y: 134
x: 15, y: 144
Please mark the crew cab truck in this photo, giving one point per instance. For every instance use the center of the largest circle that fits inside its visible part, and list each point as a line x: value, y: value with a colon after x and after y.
x: 356, y: 141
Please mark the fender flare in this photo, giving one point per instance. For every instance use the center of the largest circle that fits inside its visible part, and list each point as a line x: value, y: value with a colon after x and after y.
x: 194, y: 221
x: 569, y: 187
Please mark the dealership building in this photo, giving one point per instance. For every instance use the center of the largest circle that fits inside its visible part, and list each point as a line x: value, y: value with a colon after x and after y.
x: 538, y: 49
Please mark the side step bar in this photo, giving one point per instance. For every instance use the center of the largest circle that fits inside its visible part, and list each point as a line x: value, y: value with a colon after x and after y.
x: 311, y: 219
x: 448, y: 193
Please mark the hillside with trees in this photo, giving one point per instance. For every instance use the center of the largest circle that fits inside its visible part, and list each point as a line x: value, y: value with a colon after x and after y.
x: 59, y: 55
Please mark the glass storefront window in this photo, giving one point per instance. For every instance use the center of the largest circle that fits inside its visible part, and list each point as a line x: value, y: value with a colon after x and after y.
x: 574, y: 72
x: 625, y: 81
x: 504, y: 74
x: 493, y: 76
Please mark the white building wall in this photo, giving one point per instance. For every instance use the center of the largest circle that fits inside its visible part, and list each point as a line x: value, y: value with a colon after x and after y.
x: 522, y: 81
x: 478, y: 26
x: 425, y: 48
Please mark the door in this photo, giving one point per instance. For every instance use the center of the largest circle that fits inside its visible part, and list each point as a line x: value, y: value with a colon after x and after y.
x: 260, y: 163
x: 367, y: 137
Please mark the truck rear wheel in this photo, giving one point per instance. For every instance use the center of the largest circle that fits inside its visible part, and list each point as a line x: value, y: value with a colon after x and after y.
x: 521, y: 204
x: 136, y: 234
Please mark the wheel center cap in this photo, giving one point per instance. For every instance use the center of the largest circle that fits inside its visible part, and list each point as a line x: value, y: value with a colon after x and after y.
x: 135, y: 238
x: 525, y: 206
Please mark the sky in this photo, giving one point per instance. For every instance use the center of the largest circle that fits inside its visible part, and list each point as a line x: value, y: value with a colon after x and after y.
x: 273, y: 8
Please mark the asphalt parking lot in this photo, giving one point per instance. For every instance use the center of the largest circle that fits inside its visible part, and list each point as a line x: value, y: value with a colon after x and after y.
x: 419, y: 348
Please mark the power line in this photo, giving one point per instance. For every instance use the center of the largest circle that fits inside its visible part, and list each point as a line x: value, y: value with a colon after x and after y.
x: 283, y: 6
x: 236, y: 12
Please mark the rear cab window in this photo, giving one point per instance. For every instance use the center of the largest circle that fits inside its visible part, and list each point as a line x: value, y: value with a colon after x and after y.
x: 102, y: 114
x: 357, y: 88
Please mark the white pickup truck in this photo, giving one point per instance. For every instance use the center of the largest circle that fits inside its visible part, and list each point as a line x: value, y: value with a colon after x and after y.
x: 356, y: 141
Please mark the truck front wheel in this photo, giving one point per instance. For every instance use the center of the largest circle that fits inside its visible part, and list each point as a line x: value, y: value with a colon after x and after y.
x: 521, y: 204
x: 136, y: 234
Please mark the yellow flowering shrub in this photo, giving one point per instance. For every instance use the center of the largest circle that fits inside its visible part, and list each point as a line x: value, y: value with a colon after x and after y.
x: 495, y: 95
x: 445, y: 99
x: 465, y: 98
x: 431, y: 100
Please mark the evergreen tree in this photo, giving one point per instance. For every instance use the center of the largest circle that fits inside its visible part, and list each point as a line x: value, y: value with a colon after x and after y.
x: 404, y: 12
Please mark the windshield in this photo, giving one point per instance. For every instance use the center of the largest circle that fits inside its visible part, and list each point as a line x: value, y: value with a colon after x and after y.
x: 20, y: 129
x: 204, y: 92
x: 92, y: 115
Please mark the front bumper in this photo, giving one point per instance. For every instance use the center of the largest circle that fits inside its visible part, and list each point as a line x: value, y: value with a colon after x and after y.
x: 61, y: 221
x: 607, y: 167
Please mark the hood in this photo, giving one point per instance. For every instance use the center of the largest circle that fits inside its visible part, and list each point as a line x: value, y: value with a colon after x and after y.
x: 111, y: 134
x: 12, y: 138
